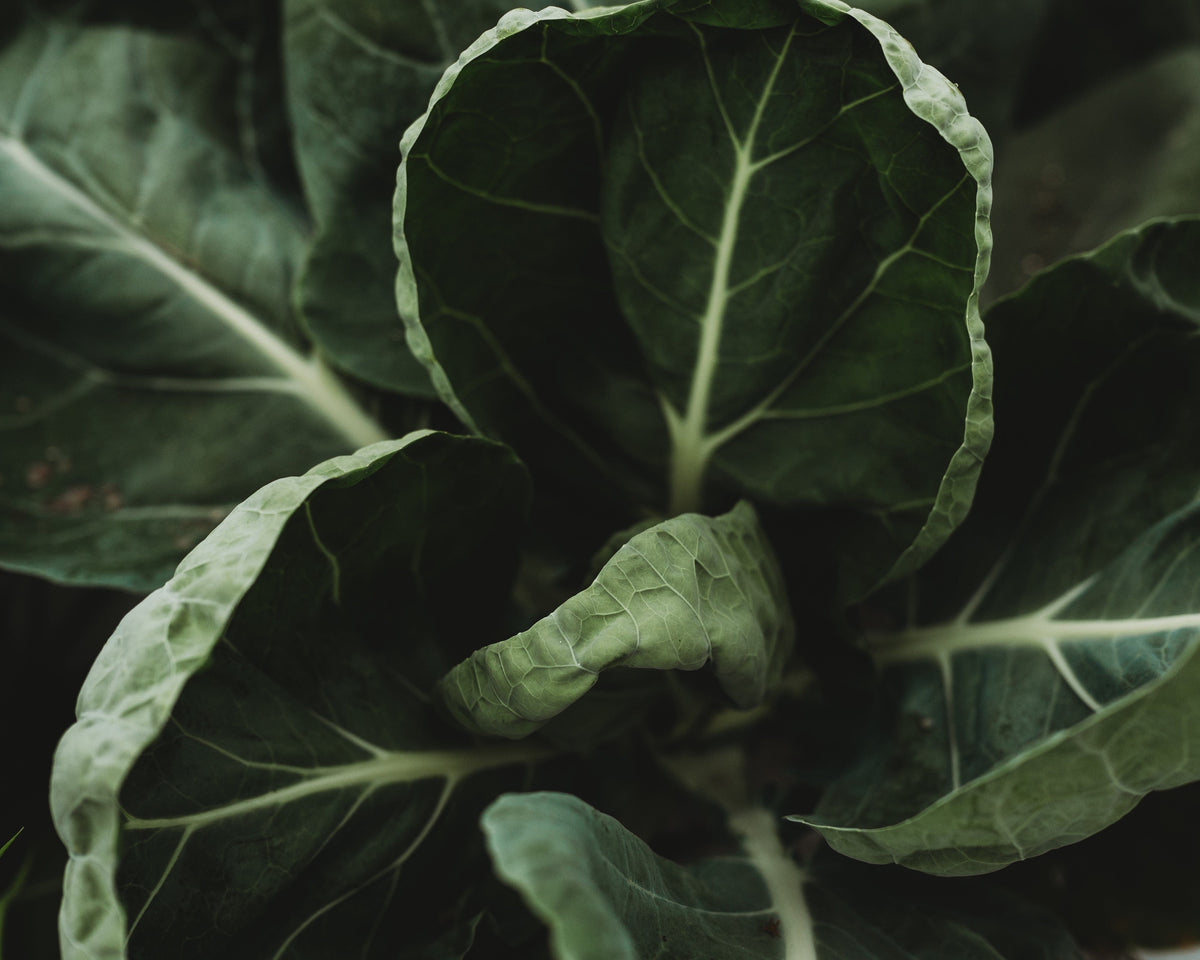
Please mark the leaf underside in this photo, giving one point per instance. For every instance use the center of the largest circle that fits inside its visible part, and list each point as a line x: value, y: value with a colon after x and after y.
x: 260, y: 729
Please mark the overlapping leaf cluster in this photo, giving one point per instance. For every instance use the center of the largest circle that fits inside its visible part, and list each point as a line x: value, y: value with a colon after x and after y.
x: 556, y: 449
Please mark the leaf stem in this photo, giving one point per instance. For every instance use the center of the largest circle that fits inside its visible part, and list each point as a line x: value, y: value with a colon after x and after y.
x: 314, y: 382
x: 691, y: 450
x: 720, y: 776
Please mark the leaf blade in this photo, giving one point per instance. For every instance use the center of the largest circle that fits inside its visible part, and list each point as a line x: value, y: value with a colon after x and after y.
x: 1042, y: 686
x: 604, y: 893
x: 254, y: 720
x: 685, y: 592
x: 698, y: 235
x: 146, y: 276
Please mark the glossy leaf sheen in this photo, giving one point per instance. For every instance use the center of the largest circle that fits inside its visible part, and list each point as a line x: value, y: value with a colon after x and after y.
x: 716, y: 248
x: 151, y: 371
x: 1049, y: 679
x: 257, y: 770
x: 686, y: 592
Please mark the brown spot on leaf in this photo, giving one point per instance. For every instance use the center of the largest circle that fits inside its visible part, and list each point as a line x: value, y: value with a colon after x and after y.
x: 110, y: 497
x: 37, y: 474
x: 71, y: 501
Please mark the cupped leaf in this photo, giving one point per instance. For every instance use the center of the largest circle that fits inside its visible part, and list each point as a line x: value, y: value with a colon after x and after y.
x: 687, y: 591
x: 1044, y: 677
x: 151, y: 371
x: 715, y: 249
x: 605, y: 895
x: 257, y: 769
x: 358, y: 74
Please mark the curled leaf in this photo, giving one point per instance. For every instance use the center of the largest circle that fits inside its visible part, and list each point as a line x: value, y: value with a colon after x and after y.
x: 684, y: 592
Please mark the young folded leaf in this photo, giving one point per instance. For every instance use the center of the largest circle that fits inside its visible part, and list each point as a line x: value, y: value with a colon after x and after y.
x: 1044, y: 676
x: 717, y: 249
x: 258, y: 769
x: 152, y: 373
x: 605, y: 895
x: 688, y: 591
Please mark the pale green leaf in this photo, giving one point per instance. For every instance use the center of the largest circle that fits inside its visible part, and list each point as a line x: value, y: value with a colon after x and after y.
x: 688, y: 591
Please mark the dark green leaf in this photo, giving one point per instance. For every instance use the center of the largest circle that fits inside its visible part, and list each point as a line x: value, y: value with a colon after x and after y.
x: 1047, y: 678
x: 715, y: 249
x: 606, y: 896
x: 258, y: 769
x: 1105, y: 162
x: 358, y: 74
x: 151, y: 371
x: 983, y: 47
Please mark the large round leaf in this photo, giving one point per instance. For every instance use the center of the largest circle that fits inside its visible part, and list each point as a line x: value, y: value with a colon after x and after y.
x: 676, y: 253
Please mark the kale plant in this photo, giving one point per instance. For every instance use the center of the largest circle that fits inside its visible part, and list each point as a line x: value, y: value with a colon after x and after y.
x: 579, y: 488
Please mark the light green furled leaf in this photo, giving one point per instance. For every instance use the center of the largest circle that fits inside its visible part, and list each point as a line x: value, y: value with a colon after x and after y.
x: 605, y: 895
x: 358, y: 74
x: 716, y: 249
x: 151, y: 371
x: 260, y: 729
x: 687, y: 591
x: 1110, y: 160
x: 1041, y: 670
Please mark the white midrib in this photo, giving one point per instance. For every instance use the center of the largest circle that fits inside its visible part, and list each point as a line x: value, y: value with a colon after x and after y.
x: 690, y: 450
x: 783, y: 878
x: 719, y: 776
x: 316, y: 385
x: 690, y: 453
x: 926, y: 643
x: 1038, y: 630
x: 388, y: 768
